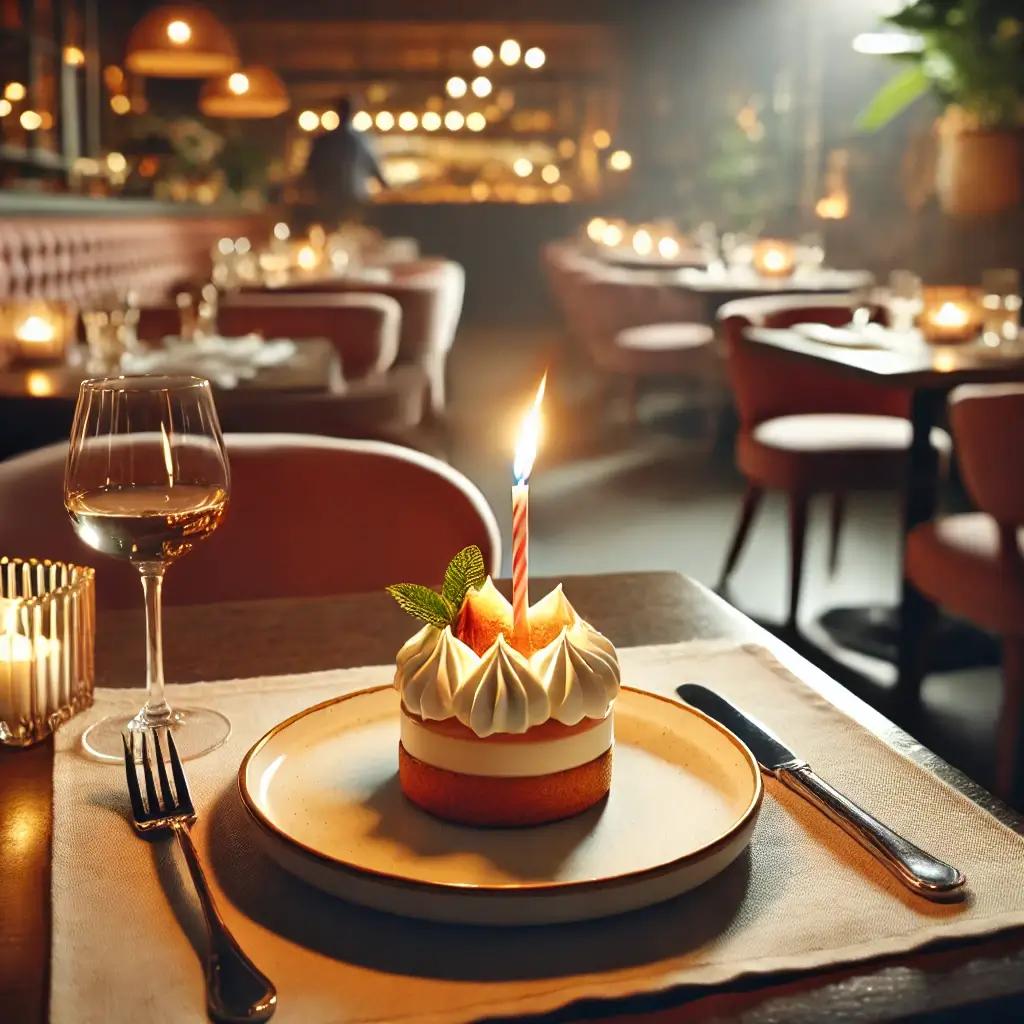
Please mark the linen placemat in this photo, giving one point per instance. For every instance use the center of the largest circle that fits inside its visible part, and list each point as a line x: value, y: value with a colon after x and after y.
x: 126, y: 931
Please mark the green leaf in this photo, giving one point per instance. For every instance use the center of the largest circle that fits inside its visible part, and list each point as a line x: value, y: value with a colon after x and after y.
x: 893, y: 98
x: 423, y: 603
x: 465, y: 572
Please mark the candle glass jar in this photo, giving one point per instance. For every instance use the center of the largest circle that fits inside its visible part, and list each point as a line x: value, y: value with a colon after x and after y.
x: 47, y: 633
x: 37, y: 331
x: 1001, y: 301
x: 950, y: 314
x: 774, y: 258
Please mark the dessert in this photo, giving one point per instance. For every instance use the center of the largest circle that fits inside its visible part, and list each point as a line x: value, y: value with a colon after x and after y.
x: 499, y: 728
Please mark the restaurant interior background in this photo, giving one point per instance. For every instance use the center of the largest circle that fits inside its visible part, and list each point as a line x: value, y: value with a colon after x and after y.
x: 741, y: 114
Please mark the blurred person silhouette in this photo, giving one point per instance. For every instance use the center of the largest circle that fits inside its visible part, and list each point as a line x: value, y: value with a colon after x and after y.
x: 340, y: 167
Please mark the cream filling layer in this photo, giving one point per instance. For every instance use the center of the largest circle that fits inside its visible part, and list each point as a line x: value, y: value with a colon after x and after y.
x: 495, y: 759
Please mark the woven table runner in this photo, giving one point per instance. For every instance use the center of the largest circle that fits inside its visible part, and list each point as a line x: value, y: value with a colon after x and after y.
x: 126, y: 928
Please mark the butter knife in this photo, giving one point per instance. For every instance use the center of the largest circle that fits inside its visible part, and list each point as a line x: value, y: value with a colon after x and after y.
x: 918, y: 871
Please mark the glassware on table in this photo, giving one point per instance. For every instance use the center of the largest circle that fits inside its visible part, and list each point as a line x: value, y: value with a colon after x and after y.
x: 810, y: 253
x: 862, y: 306
x: 111, y: 330
x: 47, y: 634
x: 905, y: 299
x: 1001, y: 302
x: 147, y: 479
x: 737, y: 250
x: 187, y: 316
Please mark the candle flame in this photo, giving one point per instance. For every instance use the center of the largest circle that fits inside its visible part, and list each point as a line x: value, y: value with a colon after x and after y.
x: 35, y: 328
x: 529, y: 437
x: 951, y: 314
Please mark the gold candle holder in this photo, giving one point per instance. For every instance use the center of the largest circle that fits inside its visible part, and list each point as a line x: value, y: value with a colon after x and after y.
x: 773, y: 257
x: 47, y: 636
x: 38, y: 331
x: 950, y: 314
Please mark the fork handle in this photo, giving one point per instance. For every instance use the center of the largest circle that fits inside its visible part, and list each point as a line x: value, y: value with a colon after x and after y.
x: 236, y: 990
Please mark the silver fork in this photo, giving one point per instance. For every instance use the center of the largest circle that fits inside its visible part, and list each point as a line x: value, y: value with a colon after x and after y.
x: 235, y: 988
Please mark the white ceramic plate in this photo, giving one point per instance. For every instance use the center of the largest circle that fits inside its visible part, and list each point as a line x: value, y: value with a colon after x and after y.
x: 323, y: 789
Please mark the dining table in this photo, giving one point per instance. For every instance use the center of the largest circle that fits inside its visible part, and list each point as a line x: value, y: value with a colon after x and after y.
x: 903, y: 360
x: 975, y: 978
x: 37, y: 401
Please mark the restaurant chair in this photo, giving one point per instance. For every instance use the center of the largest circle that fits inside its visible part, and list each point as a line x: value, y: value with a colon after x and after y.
x: 430, y: 293
x: 804, y: 430
x: 634, y: 326
x: 972, y: 564
x: 308, y: 516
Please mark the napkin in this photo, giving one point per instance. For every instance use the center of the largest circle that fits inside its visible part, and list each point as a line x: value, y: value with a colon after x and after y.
x: 804, y: 897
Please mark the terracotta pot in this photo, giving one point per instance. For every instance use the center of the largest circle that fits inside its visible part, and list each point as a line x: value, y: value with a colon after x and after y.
x: 978, y: 172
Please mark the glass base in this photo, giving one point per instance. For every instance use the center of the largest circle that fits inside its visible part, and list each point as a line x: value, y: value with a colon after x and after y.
x: 196, y: 731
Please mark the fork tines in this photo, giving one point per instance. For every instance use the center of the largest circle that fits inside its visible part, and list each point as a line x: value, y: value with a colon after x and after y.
x: 171, y: 802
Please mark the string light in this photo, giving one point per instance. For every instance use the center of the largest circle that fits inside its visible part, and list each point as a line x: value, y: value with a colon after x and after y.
x: 5, y: 107
x: 601, y: 138
x: 330, y: 120
x: 14, y: 91
x: 561, y: 193
x: 550, y: 174
x: 120, y: 104
x: 281, y: 231
x: 620, y: 160
x: 385, y: 120
x: 612, y: 235
x: 509, y: 52
x: 476, y: 122
x: 362, y: 121
x: 431, y: 121
x: 454, y: 120
x: 74, y: 57
x: 523, y: 167
x: 483, y: 56
x: 408, y: 121
x: 534, y: 58
x: 481, y: 86
x: 30, y: 120
x: 596, y: 228
x: 566, y: 148
x: 456, y: 87
x: 117, y: 163
x: 309, y: 121
x: 668, y: 248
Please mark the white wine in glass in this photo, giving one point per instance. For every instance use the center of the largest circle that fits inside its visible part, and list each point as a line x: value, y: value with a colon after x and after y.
x: 147, y: 479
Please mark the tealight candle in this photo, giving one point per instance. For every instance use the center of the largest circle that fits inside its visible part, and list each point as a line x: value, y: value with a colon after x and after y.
x: 307, y: 258
x: 950, y: 315
x: 522, y: 467
x: 774, y: 258
x: 40, y: 331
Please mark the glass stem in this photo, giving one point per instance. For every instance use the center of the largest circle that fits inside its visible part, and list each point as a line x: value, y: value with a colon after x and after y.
x: 156, y: 710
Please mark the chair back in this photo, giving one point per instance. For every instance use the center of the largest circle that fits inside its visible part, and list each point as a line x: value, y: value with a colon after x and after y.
x: 767, y: 384
x: 363, y: 326
x: 988, y: 428
x: 308, y: 516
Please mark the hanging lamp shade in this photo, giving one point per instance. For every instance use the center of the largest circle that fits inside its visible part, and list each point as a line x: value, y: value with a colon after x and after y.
x: 253, y: 91
x: 180, y: 41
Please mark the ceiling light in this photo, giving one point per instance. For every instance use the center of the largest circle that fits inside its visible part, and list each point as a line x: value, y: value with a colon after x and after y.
x: 431, y: 121
x: 509, y: 52
x: 362, y: 121
x: 534, y: 57
x: 408, y: 121
x: 456, y: 87
x: 481, y: 86
x: 385, y: 120
x: 476, y: 122
x: 180, y: 41
x: 330, y: 120
x: 309, y: 121
x: 453, y: 120
x: 483, y: 56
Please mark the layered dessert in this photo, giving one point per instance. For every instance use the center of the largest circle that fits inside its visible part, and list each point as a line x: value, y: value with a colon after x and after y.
x: 502, y: 726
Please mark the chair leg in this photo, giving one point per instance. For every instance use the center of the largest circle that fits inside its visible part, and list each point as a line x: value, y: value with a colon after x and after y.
x: 1010, y: 735
x: 751, y: 501
x: 797, y: 536
x: 835, y: 529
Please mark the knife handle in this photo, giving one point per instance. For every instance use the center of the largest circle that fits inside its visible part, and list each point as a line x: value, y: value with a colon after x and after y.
x: 917, y: 870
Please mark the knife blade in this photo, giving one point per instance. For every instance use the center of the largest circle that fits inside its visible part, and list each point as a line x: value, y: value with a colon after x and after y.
x: 918, y: 871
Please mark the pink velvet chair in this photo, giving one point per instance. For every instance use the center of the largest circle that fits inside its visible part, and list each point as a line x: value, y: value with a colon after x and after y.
x: 972, y: 564
x: 307, y: 516
x: 805, y: 430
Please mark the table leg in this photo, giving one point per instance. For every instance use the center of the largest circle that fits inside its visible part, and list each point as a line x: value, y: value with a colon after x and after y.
x: 916, y: 612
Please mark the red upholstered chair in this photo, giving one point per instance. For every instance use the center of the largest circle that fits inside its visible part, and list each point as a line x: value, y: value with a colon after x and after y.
x: 635, y: 326
x: 805, y: 430
x: 308, y: 516
x: 973, y: 564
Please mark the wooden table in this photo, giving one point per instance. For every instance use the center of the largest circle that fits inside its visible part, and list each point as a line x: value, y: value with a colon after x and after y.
x: 929, y: 373
x: 281, y: 636
x: 37, y: 403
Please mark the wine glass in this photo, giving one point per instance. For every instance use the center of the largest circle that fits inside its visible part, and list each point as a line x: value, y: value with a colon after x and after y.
x: 147, y: 479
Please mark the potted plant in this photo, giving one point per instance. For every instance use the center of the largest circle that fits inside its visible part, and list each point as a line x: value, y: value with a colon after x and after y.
x: 970, y: 55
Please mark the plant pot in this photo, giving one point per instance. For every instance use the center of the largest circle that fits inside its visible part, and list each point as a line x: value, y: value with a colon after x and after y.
x: 978, y: 172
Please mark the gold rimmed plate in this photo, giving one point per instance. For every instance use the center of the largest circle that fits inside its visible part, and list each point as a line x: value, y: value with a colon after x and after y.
x: 322, y: 788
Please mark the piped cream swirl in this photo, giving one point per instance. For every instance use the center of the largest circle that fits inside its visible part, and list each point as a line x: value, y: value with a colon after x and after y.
x: 573, y: 677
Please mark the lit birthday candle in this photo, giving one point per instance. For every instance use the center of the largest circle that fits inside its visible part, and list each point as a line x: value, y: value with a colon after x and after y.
x: 526, y: 452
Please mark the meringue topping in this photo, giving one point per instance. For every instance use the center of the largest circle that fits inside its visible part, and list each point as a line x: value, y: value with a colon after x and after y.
x: 429, y: 668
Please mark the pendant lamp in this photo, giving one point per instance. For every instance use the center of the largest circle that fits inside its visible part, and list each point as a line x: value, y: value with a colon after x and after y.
x: 180, y: 41
x: 253, y: 91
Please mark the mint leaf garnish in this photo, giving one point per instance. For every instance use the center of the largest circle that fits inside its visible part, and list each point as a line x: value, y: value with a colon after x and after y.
x: 423, y: 603
x: 465, y: 572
